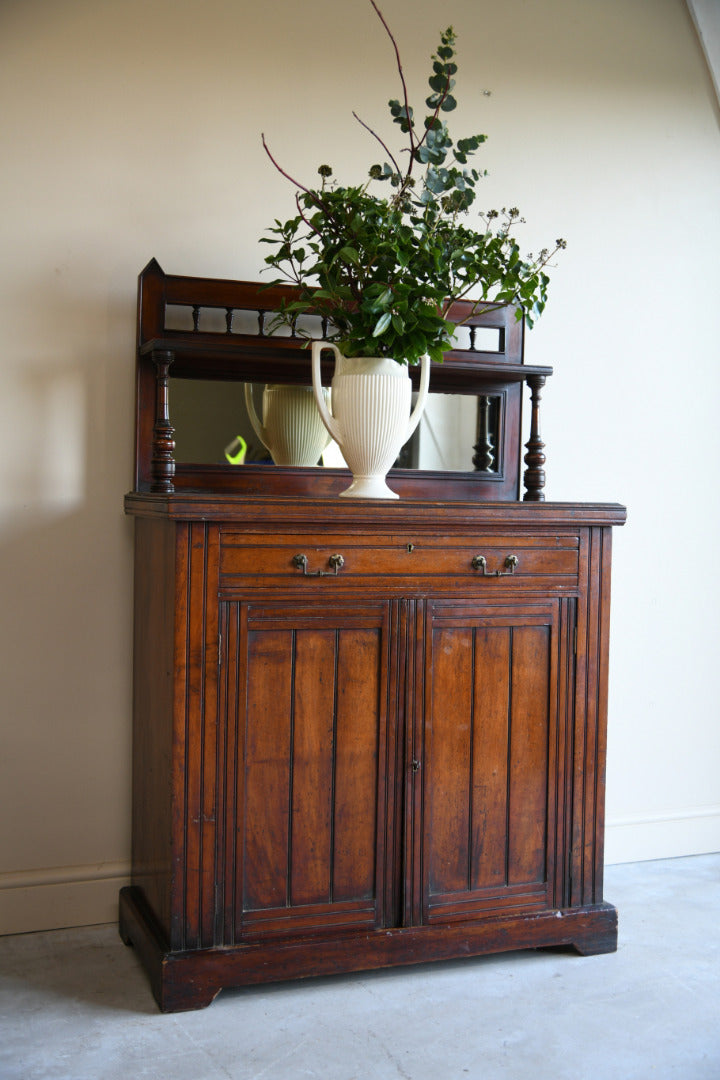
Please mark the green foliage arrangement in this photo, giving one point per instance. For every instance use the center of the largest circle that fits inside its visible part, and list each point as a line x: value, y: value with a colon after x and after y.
x: 384, y: 270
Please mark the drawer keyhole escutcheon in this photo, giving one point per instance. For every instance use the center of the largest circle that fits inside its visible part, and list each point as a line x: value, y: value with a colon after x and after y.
x: 336, y: 562
x: 479, y: 562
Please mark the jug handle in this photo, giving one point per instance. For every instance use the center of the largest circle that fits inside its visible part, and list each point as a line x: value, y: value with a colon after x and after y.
x: 422, y: 395
x: 327, y: 418
x: 254, y: 418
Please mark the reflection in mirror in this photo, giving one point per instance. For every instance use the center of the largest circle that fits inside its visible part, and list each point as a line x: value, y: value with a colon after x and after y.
x: 211, y: 416
x: 457, y: 433
x: 289, y: 424
x: 207, y: 415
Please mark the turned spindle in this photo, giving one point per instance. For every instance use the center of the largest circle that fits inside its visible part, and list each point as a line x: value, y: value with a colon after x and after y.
x: 534, y: 477
x: 483, y: 458
x: 162, y: 463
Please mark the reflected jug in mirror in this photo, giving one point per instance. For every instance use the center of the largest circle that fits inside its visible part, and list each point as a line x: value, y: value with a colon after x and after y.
x: 291, y: 427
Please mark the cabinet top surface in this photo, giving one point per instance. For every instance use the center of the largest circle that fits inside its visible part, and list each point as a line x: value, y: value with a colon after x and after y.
x: 356, y: 513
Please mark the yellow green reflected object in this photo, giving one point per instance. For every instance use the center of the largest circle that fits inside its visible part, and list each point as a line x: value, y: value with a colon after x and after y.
x: 236, y: 450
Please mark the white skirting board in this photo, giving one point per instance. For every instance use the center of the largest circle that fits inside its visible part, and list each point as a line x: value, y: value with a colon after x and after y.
x: 59, y: 897
x: 664, y: 835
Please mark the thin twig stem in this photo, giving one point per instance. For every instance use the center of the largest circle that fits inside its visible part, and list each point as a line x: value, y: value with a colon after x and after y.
x: 309, y: 224
x: 280, y: 169
x: 376, y: 136
x: 311, y: 194
x: 402, y: 79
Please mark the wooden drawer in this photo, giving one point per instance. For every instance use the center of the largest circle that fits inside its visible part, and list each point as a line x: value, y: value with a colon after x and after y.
x: 261, y: 561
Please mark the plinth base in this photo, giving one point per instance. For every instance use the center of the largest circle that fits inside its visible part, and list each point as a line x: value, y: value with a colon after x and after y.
x: 183, y: 980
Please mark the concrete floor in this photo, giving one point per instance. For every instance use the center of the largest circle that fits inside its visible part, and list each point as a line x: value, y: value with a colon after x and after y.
x: 75, y: 1005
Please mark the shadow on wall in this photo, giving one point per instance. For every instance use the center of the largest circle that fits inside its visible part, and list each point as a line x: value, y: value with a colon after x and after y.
x: 67, y: 439
x: 66, y: 584
x: 46, y: 476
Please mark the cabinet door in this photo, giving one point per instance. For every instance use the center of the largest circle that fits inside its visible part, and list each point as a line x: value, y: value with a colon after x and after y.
x: 306, y: 689
x: 490, y: 756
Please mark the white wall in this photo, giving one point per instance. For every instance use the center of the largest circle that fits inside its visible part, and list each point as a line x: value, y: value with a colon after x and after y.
x: 131, y: 129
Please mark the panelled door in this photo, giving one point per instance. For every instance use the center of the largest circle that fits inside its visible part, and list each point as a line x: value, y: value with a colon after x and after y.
x: 315, y: 700
x: 309, y: 693
x: 490, y: 757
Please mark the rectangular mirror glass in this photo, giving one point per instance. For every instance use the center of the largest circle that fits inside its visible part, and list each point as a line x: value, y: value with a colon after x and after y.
x: 457, y: 433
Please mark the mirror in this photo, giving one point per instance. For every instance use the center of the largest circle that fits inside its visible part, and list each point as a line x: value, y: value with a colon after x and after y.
x: 457, y: 433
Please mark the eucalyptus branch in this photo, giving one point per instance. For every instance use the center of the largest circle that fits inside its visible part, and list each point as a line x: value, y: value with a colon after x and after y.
x: 435, y: 115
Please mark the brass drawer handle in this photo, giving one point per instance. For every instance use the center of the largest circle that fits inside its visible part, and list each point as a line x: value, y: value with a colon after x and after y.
x: 480, y: 563
x: 336, y: 562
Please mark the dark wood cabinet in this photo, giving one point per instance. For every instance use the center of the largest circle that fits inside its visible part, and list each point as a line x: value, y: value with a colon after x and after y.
x: 365, y: 733
x: 398, y: 761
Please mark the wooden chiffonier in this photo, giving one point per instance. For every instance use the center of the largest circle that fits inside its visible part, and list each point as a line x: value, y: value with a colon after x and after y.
x: 366, y: 733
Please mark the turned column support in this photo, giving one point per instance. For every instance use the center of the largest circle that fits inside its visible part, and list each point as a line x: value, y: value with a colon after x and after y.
x: 162, y: 462
x: 483, y: 458
x: 534, y: 478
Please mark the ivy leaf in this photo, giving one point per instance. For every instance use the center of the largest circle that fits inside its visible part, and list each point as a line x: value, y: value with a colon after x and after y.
x: 380, y: 302
x: 348, y: 254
